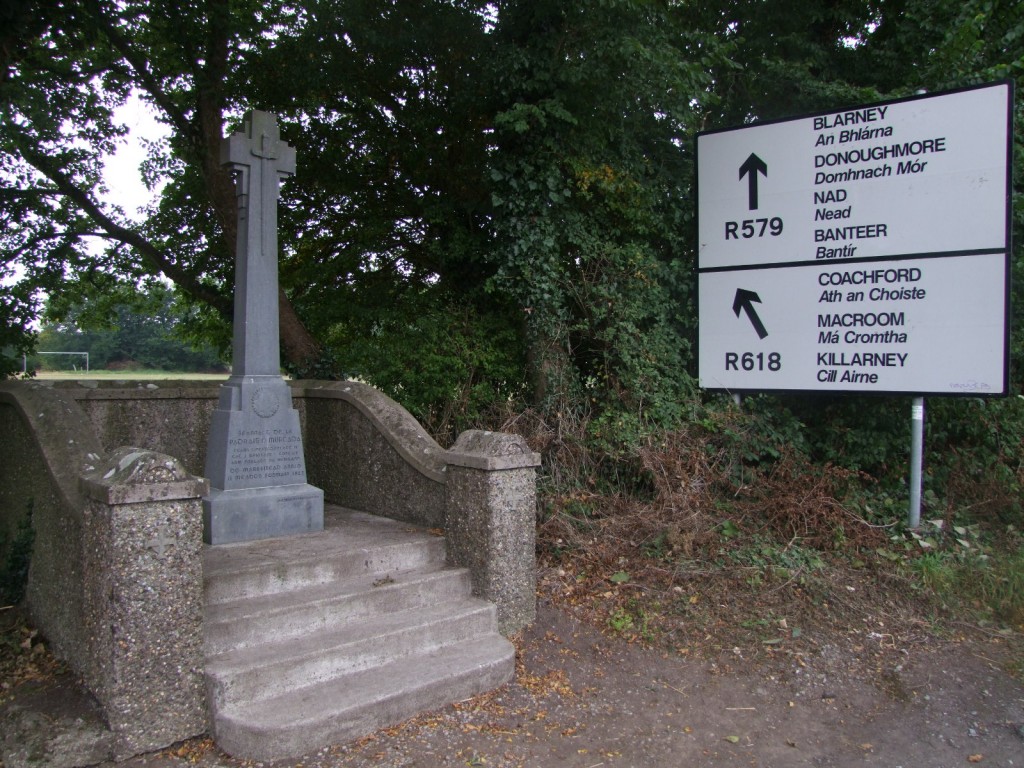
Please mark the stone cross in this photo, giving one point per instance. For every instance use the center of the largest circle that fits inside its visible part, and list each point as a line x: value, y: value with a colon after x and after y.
x: 260, y: 160
x: 254, y: 457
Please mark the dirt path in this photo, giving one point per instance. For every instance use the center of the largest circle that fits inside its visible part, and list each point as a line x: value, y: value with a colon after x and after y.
x: 583, y: 700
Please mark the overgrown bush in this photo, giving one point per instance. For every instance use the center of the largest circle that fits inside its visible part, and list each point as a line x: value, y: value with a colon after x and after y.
x: 684, y: 494
x: 17, y: 554
x: 976, y: 456
x: 447, y: 363
x: 974, y: 449
x: 772, y: 467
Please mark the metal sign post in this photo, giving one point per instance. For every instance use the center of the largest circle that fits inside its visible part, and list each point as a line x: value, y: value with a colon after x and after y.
x: 916, y: 460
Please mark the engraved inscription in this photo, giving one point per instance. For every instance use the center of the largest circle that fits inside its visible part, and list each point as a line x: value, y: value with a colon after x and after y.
x: 271, y: 455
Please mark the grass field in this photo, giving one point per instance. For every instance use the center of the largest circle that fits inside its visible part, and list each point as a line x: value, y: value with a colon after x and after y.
x: 126, y: 375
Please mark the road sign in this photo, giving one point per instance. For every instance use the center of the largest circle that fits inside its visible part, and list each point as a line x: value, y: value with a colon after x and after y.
x: 865, y: 250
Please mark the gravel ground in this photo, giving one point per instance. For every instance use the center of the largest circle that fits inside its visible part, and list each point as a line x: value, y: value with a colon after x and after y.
x: 581, y: 699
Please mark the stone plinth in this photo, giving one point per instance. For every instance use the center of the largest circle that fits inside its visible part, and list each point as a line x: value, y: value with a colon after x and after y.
x: 256, y: 466
x: 142, y: 540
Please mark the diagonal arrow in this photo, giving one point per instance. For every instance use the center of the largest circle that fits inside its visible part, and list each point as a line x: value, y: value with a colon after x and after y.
x: 745, y: 301
x: 752, y: 166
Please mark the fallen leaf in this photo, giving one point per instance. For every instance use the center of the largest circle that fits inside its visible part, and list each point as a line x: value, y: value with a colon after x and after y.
x: 974, y: 759
x: 733, y: 739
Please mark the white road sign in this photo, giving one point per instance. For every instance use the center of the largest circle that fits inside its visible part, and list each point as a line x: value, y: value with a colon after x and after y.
x: 864, y: 250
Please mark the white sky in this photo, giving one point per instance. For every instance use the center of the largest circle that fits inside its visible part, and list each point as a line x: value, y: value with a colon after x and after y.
x: 121, y: 170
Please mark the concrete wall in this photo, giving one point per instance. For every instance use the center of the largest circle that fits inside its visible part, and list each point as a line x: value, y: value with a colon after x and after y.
x: 366, y: 452
x: 168, y: 417
x: 143, y: 598
x: 19, y: 456
x: 47, y: 444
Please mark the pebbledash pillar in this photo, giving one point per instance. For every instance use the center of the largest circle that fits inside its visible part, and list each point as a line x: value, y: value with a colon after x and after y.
x: 254, y: 458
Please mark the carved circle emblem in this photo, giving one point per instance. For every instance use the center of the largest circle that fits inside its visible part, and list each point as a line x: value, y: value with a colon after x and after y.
x: 265, y: 402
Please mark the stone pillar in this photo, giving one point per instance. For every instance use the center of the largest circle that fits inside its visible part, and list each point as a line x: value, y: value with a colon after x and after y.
x: 143, y: 612
x: 491, y: 498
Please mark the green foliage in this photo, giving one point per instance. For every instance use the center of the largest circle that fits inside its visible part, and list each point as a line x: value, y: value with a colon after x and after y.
x: 448, y: 364
x: 766, y: 555
x: 865, y: 434
x: 67, y: 69
x: 16, y: 336
x: 494, y: 201
x: 999, y: 584
x: 387, y: 118
x: 592, y: 199
x: 976, y: 455
x: 792, y: 57
x: 973, y: 450
x: 633, y: 621
x: 620, y: 620
x: 979, y: 572
x: 762, y: 430
x: 17, y: 555
x: 728, y: 530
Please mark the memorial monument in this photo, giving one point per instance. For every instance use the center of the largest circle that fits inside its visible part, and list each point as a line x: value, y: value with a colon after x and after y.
x: 254, y: 458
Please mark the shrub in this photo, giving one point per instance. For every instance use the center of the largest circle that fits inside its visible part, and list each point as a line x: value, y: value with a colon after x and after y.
x: 17, y: 555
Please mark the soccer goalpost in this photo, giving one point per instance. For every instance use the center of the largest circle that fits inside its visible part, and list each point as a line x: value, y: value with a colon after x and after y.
x: 24, y: 359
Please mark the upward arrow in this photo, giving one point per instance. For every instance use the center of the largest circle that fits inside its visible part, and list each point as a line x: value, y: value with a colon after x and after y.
x: 744, y: 302
x: 752, y: 166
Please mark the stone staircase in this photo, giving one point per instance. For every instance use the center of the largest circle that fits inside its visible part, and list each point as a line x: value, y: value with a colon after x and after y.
x: 323, y: 638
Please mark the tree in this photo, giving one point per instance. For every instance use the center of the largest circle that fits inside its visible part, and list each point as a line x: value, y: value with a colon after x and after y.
x: 592, y: 176
x: 452, y: 139
x: 391, y: 197
x: 65, y: 68
x: 523, y: 165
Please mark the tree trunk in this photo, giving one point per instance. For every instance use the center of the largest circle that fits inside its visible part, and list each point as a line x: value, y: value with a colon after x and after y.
x: 298, y: 347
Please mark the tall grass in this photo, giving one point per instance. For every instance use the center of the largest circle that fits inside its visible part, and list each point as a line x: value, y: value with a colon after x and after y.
x: 987, y: 583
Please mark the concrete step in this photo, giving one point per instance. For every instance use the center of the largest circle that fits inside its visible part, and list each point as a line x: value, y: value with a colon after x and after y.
x: 296, y: 613
x: 352, y: 544
x: 349, y: 706
x: 263, y: 671
x: 323, y: 638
